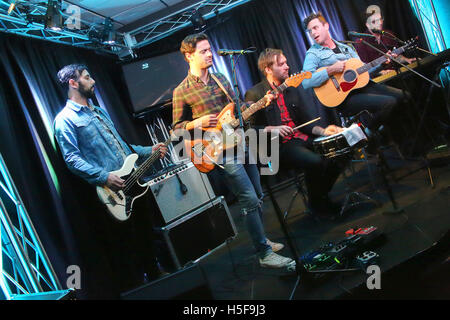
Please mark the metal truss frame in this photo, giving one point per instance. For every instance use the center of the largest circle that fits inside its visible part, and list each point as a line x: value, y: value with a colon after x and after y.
x: 181, y: 19
x: 16, y: 22
x: 24, y: 264
x: 430, y: 24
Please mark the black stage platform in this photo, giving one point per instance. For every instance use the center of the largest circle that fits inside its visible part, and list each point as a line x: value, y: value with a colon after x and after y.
x: 414, y: 256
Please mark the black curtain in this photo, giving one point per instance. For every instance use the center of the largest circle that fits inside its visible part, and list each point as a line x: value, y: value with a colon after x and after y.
x: 61, y: 206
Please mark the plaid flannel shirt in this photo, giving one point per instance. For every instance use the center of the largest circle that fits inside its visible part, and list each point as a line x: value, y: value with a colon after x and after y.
x: 286, y: 120
x: 193, y: 99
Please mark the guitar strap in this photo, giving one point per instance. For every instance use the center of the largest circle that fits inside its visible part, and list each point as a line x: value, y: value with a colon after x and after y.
x: 222, y: 87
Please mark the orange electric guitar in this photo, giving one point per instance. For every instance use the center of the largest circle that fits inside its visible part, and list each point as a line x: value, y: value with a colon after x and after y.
x: 206, y: 151
x: 355, y: 75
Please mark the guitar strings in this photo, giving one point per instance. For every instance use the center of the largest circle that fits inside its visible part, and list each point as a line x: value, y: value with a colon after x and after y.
x: 139, y: 171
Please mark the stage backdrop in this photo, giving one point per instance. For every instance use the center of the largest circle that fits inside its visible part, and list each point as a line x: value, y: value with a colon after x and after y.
x: 30, y: 98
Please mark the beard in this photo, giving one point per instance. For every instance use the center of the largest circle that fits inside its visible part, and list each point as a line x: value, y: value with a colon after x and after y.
x: 88, y: 93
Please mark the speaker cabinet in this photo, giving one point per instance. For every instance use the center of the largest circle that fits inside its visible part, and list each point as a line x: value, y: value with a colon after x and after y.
x: 198, y: 233
x: 186, y: 284
x: 180, y: 190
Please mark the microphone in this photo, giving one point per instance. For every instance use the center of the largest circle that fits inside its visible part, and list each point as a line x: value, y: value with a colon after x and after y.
x: 357, y: 34
x: 226, y: 52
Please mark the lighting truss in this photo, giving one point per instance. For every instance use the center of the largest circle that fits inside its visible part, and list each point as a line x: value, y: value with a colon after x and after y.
x: 93, y: 24
x: 430, y: 24
x: 24, y: 266
x: 79, y: 35
x: 181, y: 19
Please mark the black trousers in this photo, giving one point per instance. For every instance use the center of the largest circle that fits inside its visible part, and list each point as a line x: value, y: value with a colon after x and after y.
x: 378, y: 99
x: 320, y: 173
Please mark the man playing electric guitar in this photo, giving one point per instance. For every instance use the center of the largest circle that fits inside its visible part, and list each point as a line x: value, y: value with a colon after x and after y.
x: 92, y: 148
x: 331, y: 57
x: 196, y: 102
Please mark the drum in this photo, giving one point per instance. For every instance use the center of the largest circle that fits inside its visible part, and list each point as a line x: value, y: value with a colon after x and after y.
x: 340, y: 144
x: 332, y: 146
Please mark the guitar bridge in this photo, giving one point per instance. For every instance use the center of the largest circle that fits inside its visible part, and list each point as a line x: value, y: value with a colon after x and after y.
x: 198, y: 149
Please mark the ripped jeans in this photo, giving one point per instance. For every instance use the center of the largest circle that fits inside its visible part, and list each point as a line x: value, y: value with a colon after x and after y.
x: 244, y: 182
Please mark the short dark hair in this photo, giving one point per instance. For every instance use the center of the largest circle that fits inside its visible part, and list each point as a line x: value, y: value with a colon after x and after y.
x: 312, y: 16
x: 266, y: 58
x: 189, y: 43
x: 71, y: 71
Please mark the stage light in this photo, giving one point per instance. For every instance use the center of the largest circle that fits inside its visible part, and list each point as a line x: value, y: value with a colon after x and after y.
x: 53, y: 17
x: 12, y: 6
x: 109, y: 35
x: 197, y: 21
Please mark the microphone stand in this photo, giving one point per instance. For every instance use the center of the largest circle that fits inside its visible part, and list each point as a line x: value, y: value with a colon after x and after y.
x: 393, y: 37
x: 396, y: 210
x: 236, y: 94
x: 398, y: 61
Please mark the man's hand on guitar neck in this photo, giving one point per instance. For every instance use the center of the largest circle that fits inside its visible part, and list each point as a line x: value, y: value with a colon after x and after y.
x: 114, y: 182
x: 161, y: 147
x: 270, y: 97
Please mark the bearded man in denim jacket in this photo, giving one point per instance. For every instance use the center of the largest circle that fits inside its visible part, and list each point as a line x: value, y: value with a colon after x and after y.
x: 92, y: 148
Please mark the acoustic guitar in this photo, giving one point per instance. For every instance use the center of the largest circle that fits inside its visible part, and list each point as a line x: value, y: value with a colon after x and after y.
x: 355, y: 75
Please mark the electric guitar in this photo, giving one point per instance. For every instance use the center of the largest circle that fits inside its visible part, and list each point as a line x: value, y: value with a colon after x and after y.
x: 355, y: 75
x: 206, y: 150
x: 120, y: 203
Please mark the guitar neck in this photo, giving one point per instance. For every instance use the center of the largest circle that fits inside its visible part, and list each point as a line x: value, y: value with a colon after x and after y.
x: 377, y: 61
x: 260, y: 104
x: 139, y: 172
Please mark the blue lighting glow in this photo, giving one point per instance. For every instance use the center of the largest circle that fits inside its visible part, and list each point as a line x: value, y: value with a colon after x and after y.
x: 434, y: 17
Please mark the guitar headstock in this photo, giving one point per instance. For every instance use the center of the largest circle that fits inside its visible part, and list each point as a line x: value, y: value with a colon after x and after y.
x: 409, y: 45
x: 412, y: 44
x: 297, y: 78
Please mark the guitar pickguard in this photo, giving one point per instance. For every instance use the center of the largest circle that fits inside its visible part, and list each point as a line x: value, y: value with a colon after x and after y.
x: 347, y: 86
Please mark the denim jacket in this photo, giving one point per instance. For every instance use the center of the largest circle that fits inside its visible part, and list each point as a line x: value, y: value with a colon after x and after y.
x: 89, y: 150
x: 318, y: 57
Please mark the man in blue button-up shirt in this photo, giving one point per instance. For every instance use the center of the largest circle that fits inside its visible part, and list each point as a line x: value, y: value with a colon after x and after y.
x: 89, y: 142
x: 377, y: 99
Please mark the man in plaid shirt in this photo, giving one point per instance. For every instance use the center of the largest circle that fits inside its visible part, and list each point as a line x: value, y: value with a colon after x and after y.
x: 286, y: 113
x: 196, y: 102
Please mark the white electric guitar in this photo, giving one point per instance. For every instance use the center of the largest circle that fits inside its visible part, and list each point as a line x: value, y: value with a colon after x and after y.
x: 120, y: 203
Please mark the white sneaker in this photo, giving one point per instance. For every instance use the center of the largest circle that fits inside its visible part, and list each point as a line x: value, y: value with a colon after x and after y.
x: 275, y: 246
x: 273, y: 260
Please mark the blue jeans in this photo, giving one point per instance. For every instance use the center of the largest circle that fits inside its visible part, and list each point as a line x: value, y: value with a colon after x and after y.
x: 244, y: 182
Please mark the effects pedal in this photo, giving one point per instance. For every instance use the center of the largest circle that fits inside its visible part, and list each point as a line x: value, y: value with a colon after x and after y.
x: 361, y: 231
x: 367, y: 258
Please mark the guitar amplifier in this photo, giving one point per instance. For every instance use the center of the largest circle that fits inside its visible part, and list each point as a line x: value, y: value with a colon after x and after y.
x: 198, y: 233
x: 180, y: 190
